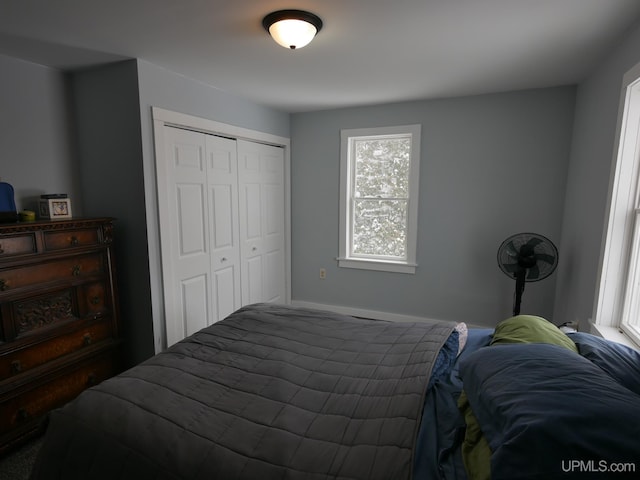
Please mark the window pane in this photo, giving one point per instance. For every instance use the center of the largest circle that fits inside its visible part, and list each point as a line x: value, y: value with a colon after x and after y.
x: 380, y: 228
x: 382, y: 167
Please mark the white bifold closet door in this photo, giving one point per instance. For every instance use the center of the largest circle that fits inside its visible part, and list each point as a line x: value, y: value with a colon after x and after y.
x: 222, y: 223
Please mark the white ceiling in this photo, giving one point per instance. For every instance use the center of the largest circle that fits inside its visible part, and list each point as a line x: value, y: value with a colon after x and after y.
x: 369, y: 51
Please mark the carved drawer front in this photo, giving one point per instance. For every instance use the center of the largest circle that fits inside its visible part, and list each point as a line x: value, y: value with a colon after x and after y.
x: 63, y: 269
x: 33, y: 315
x: 23, y: 360
x: 11, y: 245
x: 32, y: 402
x: 71, y: 239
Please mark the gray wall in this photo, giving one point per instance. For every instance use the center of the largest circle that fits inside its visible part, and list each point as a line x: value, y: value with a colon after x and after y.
x: 596, y: 116
x: 492, y: 166
x: 36, y: 133
x: 109, y: 144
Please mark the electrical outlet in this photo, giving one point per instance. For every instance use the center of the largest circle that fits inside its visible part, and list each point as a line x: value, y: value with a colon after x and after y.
x: 323, y: 274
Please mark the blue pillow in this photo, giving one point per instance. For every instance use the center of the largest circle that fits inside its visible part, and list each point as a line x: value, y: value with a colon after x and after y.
x: 541, y: 407
x: 619, y: 361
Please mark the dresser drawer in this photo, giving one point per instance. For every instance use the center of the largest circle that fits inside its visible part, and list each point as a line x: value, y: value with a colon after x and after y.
x: 54, y: 311
x: 25, y: 359
x: 93, y: 300
x: 11, y: 245
x: 71, y: 238
x: 57, y: 270
x: 30, y: 403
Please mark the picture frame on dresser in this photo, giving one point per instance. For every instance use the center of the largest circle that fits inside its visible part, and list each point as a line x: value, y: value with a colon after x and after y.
x: 55, y: 208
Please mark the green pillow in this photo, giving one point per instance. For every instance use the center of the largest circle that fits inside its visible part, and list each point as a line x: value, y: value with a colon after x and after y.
x: 531, y: 329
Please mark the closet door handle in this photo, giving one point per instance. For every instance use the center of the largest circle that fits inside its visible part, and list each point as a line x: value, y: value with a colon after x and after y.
x: 3, y: 285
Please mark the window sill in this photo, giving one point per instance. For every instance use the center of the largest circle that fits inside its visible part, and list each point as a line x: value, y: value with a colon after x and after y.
x: 378, y: 265
x: 614, y: 334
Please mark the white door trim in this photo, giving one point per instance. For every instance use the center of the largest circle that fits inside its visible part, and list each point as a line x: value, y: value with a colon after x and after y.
x: 162, y: 118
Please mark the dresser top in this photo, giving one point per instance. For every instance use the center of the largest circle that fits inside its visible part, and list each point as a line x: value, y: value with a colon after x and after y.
x: 81, y: 222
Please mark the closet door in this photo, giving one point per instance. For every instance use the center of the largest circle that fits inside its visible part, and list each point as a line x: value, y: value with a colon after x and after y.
x: 262, y: 222
x: 199, y: 231
x: 185, y: 230
x: 222, y: 227
x: 222, y: 179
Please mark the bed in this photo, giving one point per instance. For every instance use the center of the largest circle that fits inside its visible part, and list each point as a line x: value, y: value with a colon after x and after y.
x: 277, y: 392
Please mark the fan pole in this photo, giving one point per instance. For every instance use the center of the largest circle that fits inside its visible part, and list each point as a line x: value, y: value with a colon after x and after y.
x: 520, y: 280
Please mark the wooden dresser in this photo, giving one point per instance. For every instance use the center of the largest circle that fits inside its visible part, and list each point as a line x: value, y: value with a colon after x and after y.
x: 59, y: 318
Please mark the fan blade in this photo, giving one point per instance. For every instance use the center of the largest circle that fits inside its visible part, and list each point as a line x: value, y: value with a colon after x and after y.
x: 534, y: 241
x: 534, y: 272
x: 546, y: 258
x: 511, y: 250
x: 511, y: 267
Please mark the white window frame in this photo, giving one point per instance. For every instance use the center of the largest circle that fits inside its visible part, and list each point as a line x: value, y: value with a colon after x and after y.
x: 345, y: 258
x: 618, y: 289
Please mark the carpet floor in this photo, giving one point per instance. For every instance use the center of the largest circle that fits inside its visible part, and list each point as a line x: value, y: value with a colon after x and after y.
x: 18, y: 464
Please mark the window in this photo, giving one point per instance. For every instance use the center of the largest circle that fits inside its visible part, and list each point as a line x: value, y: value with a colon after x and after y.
x: 618, y: 303
x: 379, y: 177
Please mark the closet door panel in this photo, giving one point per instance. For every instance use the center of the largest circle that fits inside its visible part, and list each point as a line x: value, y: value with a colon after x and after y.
x: 190, y: 220
x: 225, y: 291
x: 253, y: 280
x: 194, y: 304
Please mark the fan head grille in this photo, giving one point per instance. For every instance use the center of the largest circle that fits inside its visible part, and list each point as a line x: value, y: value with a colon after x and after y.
x: 530, y: 251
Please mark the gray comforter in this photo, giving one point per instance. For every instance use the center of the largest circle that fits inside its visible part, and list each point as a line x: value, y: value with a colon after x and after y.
x: 271, y: 392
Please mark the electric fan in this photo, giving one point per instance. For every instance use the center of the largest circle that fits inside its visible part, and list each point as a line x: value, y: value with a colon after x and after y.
x: 527, y: 257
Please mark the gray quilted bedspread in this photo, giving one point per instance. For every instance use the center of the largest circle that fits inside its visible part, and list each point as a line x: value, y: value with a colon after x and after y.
x: 271, y: 392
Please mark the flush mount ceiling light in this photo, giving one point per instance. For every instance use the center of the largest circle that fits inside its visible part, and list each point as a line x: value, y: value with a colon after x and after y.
x: 292, y: 28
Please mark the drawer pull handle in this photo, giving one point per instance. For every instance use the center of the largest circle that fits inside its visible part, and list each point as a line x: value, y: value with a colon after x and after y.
x: 86, y: 339
x: 75, y: 271
x: 3, y: 285
x: 95, y: 300
x: 16, y: 366
x: 22, y: 415
x: 74, y: 241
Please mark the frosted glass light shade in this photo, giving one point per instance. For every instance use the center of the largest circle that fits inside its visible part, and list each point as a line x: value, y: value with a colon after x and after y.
x: 292, y: 33
x: 292, y: 29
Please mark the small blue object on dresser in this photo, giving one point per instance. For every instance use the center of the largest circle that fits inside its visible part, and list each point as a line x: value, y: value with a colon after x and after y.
x: 8, y: 212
